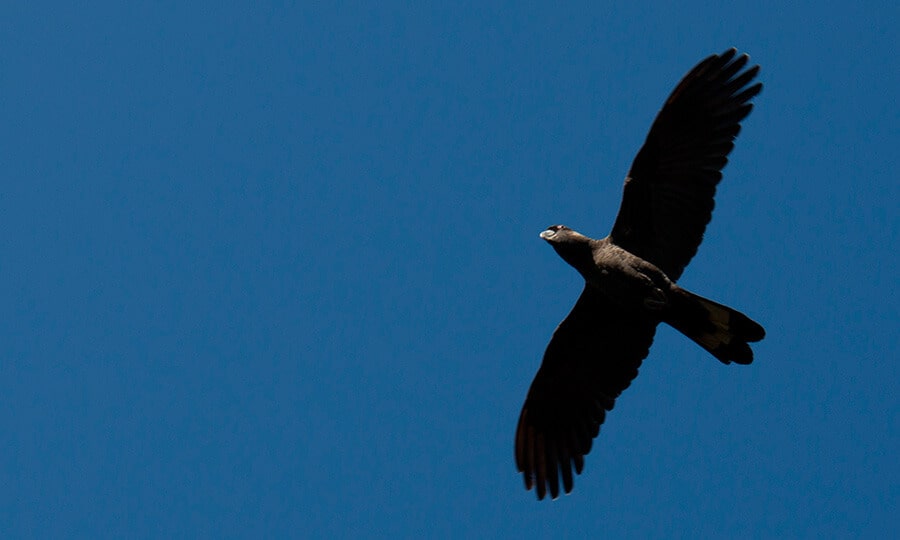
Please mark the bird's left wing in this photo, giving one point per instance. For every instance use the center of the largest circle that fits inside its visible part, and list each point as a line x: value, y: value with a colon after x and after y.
x: 592, y: 357
x: 668, y: 196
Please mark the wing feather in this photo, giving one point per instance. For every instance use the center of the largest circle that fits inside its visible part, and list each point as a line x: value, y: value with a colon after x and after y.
x: 669, y: 193
x: 593, y: 356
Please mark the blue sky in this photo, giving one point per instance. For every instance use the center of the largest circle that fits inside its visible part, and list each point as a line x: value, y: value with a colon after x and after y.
x: 273, y: 269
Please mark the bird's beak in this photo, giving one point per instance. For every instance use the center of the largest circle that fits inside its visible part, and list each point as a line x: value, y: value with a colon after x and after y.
x: 547, y: 234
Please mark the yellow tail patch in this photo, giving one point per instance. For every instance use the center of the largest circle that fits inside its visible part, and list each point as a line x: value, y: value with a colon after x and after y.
x: 721, y: 318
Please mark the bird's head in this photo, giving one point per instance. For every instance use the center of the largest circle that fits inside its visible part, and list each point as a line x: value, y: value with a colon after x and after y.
x: 572, y: 246
x: 558, y: 235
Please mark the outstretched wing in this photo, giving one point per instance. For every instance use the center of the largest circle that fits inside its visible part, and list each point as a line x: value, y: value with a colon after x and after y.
x: 668, y: 197
x: 592, y: 357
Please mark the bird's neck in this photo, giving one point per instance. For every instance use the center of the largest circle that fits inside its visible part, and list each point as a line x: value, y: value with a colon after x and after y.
x: 579, y: 255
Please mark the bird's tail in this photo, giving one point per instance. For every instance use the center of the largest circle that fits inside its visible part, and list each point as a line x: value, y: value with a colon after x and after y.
x: 722, y: 331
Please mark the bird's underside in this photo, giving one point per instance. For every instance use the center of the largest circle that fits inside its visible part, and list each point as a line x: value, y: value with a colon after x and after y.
x: 630, y: 276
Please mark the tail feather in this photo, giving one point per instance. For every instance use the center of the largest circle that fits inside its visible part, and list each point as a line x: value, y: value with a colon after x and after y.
x: 721, y: 330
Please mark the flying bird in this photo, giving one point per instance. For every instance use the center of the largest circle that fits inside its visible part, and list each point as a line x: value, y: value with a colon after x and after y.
x: 630, y: 275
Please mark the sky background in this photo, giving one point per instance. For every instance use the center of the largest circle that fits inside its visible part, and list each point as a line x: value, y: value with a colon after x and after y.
x: 273, y: 269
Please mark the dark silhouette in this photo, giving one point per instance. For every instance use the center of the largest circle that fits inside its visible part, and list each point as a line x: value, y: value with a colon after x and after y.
x: 630, y: 275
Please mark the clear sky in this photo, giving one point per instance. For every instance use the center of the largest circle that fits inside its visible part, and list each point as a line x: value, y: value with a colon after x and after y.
x: 273, y: 269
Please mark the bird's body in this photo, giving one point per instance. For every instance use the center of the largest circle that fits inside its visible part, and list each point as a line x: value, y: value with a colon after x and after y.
x: 622, y: 276
x: 630, y: 276
x: 615, y: 273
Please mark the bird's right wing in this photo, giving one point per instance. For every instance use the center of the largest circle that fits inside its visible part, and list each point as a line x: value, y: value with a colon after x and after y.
x: 592, y: 357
